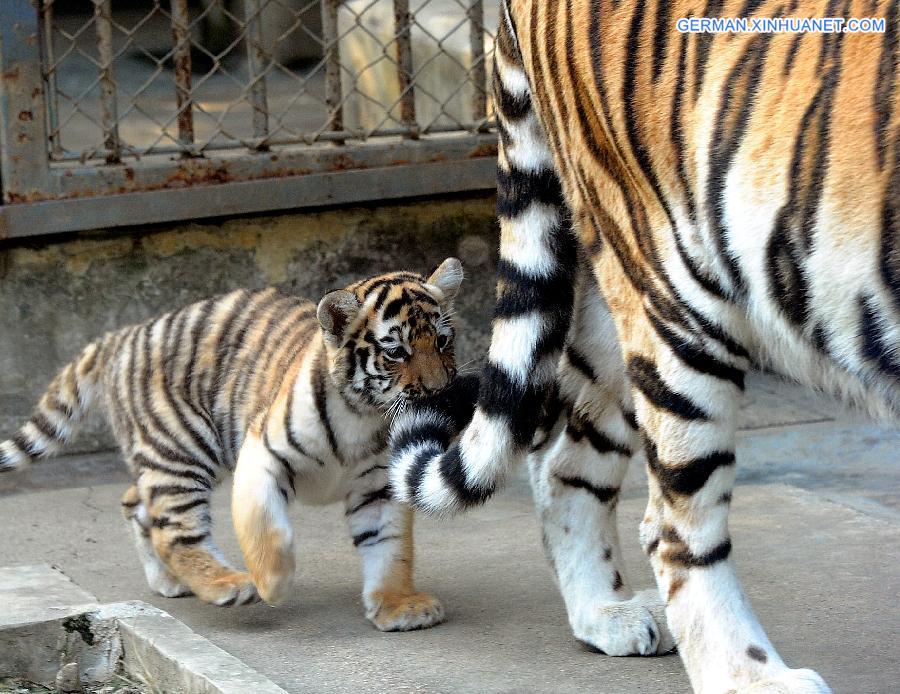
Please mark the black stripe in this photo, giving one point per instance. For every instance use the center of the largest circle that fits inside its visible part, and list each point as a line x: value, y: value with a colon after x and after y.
x: 580, y: 363
x: 223, y: 399
x: 383, y: 494
x: 792, y: 54
x: 45, y: 426
x: 172, y: 489
x: 383, y: 538
x: 695, y: 357
x: 602, y: 494
x: 523, y: 293
x: 144, y: 462
x: 362, y: 537
x: 417, y: 470
x: 520, y: 405
x: 512, y: 107
x: 285, y: 463
x: 645, y: 162
x: 420, y: 433
x: 704, y: 43
x: 253, y: 373
x: 630, y: 419
x: 392, y: 281
x: 678, y: 141
x: 171, y: 347
x: 518, y: 190
x: 173, y: 449
x: 889, y: 253
x: 382, y: 295
x: 735, y: 105
x: 714, y: 331
x: 187, y: 506
x: 25, y: 446
x: 188, y: 539
x: 61, y: 407
x: 320, y: 399
x: 370, y: 470
x: 661, y: 32
x: 222, y: 349
x: 204, y: 310
x: 646, y: 378
x: 792, y: 237
x: 886, y: 83
x: 686, y: 558
x: 875, y: 348
x: 687, y: 478
x: 292, y: 439
x: 393, y: 308
x: 600, y: 442
x: 453, y: 475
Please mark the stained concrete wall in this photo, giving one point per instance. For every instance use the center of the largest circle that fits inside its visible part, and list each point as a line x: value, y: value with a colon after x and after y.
x: 58, y: 295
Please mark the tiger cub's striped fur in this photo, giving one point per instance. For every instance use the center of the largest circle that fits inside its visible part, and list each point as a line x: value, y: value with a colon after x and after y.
x: 291, y: 396
x: 736, y: 201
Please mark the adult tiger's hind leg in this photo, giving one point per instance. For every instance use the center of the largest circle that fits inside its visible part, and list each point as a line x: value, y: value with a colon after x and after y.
x: 687, y: 389
x: 575, y: 478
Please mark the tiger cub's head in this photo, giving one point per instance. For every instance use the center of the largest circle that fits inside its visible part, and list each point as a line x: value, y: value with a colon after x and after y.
x: 390, y: 338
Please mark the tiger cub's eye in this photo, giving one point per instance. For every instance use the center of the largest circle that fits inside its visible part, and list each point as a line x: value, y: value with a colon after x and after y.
x: 397, y: 353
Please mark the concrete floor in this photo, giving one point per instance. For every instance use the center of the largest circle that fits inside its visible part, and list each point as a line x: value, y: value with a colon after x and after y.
x: 816, y: 525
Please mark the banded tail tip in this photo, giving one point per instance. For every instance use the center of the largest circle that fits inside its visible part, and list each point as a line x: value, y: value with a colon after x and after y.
x: 11, y: 457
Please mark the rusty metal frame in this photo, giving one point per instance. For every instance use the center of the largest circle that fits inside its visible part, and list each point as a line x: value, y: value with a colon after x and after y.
x: 25, y: 164
x: 42, y: 196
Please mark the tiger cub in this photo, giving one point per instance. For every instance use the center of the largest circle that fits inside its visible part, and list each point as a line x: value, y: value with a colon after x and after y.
x: 295, y: 398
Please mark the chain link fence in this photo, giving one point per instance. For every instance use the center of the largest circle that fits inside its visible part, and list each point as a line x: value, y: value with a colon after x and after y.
x: 144, y: 95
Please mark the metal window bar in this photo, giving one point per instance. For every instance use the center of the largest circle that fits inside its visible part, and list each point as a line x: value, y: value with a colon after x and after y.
x: 332, y: 67
x: 479, y: 70
x: 181, y: 59
x: 52, y: 101
x: 257, y: 64
x: 109, y: 112
x: 123, y: 101
x: 402, y: 23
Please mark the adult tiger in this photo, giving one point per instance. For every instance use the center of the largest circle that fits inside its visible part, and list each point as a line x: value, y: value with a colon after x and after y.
x: 737, y: 198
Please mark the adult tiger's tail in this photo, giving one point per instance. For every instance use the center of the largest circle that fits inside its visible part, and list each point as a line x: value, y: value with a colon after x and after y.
x: 537, y: 267
x: 62, y: 406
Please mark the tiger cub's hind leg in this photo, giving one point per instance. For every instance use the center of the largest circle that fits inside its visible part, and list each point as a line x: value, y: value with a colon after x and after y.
x: 382, y: 532
x: 576, y: 476
x: 159, y: 578
x: 180, y: 525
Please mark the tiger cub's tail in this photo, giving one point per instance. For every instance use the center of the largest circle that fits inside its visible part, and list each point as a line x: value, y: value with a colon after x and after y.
x: 59, y: 410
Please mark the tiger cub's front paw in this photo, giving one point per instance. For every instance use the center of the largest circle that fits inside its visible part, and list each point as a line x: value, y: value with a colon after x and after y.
x: 397, y: 612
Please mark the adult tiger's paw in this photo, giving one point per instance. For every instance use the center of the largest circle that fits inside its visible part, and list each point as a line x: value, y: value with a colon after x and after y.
x: 395, y: 612
x: 789, y: 682
x: 632, y: 627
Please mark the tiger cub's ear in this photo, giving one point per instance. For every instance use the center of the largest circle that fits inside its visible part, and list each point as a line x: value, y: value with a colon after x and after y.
x: 335, y: 313
x: 447, y: 278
